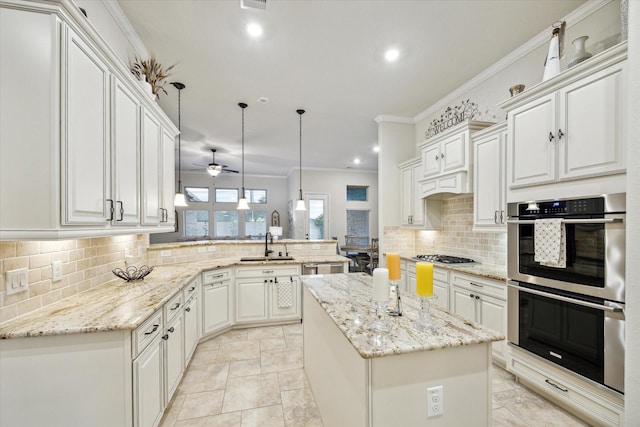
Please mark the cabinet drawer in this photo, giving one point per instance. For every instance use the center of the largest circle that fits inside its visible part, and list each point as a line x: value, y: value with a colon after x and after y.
x: 191, y: 289
x: 268, y: 270
x: 173, y: 307
x: 215, y: 276
x: 441, y: 275
x: 146, y: 332
x: 486, y: 286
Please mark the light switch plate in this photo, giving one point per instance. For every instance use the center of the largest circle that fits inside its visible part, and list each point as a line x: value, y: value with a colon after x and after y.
x: 17, y: 281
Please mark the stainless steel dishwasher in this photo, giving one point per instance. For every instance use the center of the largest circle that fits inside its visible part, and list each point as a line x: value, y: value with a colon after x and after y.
x: 322, y: 268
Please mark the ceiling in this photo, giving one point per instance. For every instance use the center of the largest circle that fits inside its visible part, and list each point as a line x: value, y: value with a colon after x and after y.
x: 326, y: 57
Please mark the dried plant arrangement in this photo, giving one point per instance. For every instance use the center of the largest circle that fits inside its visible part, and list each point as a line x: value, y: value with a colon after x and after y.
x: 154, y: 72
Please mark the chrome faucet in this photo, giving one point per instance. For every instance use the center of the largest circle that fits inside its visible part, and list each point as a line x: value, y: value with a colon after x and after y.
x: 267, y: 251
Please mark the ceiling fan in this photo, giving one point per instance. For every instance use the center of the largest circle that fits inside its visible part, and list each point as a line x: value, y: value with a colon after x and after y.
x: 214, y: 169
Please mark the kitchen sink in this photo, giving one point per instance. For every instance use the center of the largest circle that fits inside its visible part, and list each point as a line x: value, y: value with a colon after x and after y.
x: 261, y: 258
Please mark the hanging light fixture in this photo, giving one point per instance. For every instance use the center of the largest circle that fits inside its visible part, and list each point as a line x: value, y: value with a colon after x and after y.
x: 179, y: 200
x: 242, y: 203
x: 300, y: 205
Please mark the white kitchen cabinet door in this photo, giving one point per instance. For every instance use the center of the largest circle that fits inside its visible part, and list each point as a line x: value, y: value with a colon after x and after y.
x: 532, y: 158
x: 441, y: 292
x: 168, y: 177
x: 151, y: 180
x: 431, y: 161
x: 590, y: 118
x: 489, y: 186
x: 216, y: 307
x: 463, y: 303
x: 173, y: 355
x: 280, y: 311
x: 453, y: 152
x: 492, y: 313
x: 85, y: 134
x: 251, y: 300
x: 191, y: 329
x: 125, y: 154
x: 148, y: 376
x: 411, y: 205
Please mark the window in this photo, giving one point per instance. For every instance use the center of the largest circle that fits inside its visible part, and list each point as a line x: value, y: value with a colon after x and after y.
x: 197, y: 194
x: 226, y: 223
x: 357, y: 193
x: 255, y: 223
x: 226, y: 195
x: 196, y: 223
x: 358, y: 225
x: 256, y: 196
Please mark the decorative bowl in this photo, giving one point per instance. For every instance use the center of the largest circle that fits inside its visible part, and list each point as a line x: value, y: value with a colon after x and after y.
x: 133, y: 273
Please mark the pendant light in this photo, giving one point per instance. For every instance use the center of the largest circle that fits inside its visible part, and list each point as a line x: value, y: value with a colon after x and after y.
x: 242, y: 203
x: 179, y: 200
x: 300, y: 205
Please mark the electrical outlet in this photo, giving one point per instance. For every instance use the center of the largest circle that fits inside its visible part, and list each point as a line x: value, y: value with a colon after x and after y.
x: 315, y: 246
x: 16, y: 281
x: 212, y: 249
x: 165, y: 253
x: 435, y: 401
x: 297, y: 247
x: 56, y: 267
x: 202, y: 250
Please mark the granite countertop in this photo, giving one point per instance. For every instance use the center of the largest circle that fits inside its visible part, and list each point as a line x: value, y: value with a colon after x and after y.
x: 120, y: 305
x: 489, y: 271
x: 347, y: 300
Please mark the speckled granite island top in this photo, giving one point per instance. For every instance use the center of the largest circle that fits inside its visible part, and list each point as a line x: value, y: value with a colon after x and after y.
x: 346, y: 298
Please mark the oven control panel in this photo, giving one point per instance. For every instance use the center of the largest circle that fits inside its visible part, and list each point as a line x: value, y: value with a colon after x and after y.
x: 592, y: 206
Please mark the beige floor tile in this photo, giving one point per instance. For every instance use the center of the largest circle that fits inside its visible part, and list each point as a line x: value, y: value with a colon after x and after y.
x: 269, y: 416
x: 272, y: 343
x: 233, y: 419
x: 243, y: 368
x: 211, y: 344
x: 502, y: 417
x: 234, y: 335
x: 204, y: 357
x: 265, y: 332
x: 292, y: 380
x: 281, y: 359
x: 300, y: 408
x: 240, y: 350
x: 171, y: 413
x: 197, y: 405
x: 204, y: 378
x: 251, y: 392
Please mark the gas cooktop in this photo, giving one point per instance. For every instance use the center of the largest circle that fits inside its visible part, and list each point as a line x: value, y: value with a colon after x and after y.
x: 445, y: 259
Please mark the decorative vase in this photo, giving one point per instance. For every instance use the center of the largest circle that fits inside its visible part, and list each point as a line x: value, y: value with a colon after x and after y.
x: 580, y: 54
x: 146, y: 86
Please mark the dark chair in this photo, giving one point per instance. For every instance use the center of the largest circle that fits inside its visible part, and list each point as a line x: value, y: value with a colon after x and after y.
x: 373, y: 255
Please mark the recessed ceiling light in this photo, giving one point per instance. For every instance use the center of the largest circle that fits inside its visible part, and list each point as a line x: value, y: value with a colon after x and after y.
x: 376, y: 149
x: 254, y: 30
x: 263, y: 100
x: 356, y: 161
x: 391, y: 55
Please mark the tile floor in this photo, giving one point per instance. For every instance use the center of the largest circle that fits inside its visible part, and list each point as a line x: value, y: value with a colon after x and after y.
x: 254, y: 377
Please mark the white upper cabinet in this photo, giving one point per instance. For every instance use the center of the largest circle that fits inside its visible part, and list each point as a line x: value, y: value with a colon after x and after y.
x: 489, y: 174
x: 569, y: 127
x: 446, y: 156
x: 151, y: 158
x: 85, y: 134
x: 76, y: 151
x: 411, y: 205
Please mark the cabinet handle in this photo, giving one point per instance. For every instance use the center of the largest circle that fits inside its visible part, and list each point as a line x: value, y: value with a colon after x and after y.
x: 171, y: 329
x: 556, y: 386
x: 155, y: 328
x: 165, y: 337
x: 437, y: 158
x: 111, y: 210
x: 495, y: 217
x: 267, y: 271
x: 441, y: 156
x: 476, y: 284
x: 191, y: 288
x: 121, y: 210
x: 551, y: 137
x: 175, y: 307
x: 560, y: 134
x: 188, y: 309
x: 501, y: 217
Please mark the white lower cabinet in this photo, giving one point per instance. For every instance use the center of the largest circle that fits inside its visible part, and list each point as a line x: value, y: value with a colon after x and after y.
x: 148, y: 372
x: 266, y: 294
x: 482, y: 301
x: 173, y: 345
x: 441, y: 287
x: 191, y: 319
x: 217, y: 301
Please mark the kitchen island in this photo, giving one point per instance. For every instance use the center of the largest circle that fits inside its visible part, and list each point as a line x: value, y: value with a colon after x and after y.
x: 360, y: 378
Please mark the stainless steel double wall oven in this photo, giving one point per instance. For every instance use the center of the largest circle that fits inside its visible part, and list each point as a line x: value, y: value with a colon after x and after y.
x: 571, y: 316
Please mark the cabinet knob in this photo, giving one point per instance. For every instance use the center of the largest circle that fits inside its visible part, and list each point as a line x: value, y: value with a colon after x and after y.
x: 551, y: 137
x: 171, y: 329
x: 560, y: 134
x: 477, y: 297
x: 165, y: 337
x: 437, y: 157
x: 188, y: 309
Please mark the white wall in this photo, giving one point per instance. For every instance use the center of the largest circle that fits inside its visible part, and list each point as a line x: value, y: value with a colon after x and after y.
x: 632, y: 368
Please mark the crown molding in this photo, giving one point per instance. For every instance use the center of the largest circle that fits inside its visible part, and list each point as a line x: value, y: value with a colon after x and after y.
x: 542, y: 38
x: 125, y: 26
x: 394, y: 119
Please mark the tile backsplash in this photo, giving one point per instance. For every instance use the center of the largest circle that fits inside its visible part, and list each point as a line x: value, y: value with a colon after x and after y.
x: 456, y: 237
x: 86, y: 263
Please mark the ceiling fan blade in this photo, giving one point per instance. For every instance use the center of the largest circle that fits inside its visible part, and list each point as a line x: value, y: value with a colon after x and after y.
x: 230, y: 170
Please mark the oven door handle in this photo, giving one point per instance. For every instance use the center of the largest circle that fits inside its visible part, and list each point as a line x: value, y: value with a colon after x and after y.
x: 570, y: 221
x: 617, y: 308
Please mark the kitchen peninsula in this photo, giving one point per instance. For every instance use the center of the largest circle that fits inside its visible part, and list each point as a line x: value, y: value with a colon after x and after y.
x: 362, y: 379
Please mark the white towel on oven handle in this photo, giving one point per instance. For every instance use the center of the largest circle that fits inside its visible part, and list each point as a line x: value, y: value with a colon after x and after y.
x: 550, y: 239
x: 285, y: 294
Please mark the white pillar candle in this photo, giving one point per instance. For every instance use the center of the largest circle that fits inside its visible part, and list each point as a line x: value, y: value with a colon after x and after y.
x: 380, y: 284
